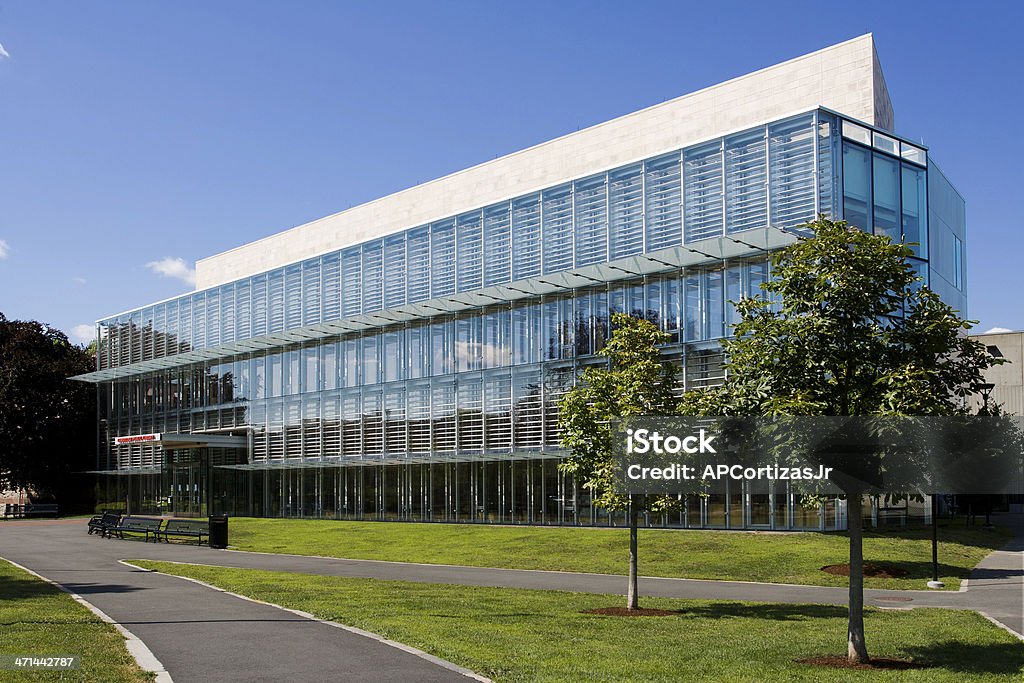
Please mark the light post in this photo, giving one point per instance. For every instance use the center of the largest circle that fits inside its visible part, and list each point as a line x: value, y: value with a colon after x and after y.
x: 985, y: 389
x: 935, y: 583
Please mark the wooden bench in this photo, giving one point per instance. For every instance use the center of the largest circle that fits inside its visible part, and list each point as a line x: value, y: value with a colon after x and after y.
x: 185, y: 528
x: 136, y: 525
x: 100, y: 523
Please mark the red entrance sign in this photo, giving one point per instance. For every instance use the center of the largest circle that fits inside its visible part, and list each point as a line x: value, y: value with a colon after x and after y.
x: 138, y: 438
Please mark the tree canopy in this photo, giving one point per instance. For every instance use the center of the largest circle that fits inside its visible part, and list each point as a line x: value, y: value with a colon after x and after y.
x: 845, y: 328
x: 47, y: 421
x: 637, y: 382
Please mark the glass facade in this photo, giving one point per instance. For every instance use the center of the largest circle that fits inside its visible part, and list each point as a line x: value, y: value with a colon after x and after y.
x: 443, y: 407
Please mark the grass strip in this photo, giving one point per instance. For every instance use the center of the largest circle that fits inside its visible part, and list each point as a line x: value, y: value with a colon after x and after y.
x: 696, y: 554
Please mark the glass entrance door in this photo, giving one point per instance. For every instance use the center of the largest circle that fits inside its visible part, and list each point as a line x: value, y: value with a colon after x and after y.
x: 186, y: 490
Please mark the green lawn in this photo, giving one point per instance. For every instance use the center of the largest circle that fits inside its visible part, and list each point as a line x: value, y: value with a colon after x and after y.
x: 696, y: 554
x: 38, y: 619
x: 524, y: 635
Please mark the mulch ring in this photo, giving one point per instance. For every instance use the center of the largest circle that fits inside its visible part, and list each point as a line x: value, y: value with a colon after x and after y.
x: 873, y: 569
x: 839, y: 662
x: 641, y: 612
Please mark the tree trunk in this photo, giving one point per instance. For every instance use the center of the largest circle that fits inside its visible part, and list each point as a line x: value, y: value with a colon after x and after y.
x: 857, y: 651
x: 632, y: 596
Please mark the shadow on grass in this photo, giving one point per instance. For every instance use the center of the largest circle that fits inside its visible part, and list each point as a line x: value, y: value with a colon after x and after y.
x: 774, y: 612
x: 995, y: 658
x: 922, y: 570
x: 16, y: 588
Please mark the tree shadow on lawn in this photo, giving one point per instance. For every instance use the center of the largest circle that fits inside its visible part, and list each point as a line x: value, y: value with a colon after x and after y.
x: 994, y: 658
x: 14, y: 588
x: 920, y: 570
x: 769, y: 611
x: 976, y: 537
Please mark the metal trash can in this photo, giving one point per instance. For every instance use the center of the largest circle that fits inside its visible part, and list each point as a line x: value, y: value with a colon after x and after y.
x: 219, y: 531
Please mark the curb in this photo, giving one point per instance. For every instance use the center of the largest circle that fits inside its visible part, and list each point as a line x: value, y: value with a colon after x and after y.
x: 142, y: 655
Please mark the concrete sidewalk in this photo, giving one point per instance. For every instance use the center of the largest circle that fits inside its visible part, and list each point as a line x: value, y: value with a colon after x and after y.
x: 197, y: 633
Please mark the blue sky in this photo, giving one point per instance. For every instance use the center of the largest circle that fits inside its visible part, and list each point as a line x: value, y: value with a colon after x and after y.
x: 136, y: 138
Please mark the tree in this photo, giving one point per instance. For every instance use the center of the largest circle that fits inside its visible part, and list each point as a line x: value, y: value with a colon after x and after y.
x: 47, y: 421
x: 636, y: 383
x: 847, y: 330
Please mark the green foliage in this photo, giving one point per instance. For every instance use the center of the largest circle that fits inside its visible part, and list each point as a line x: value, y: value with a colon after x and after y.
x: 637, y: 382
x: 47, y: 422
x: 845, y: 328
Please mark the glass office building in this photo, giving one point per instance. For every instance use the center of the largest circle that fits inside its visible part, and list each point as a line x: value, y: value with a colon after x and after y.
x: 416, y: 374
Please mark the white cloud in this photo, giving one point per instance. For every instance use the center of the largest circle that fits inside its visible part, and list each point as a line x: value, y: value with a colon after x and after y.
x: 174, y: 267
x: 3, y: 52
x: 4, y: 249
x: 79, y: 280
x: 83, y: 334
x: 997, y: 330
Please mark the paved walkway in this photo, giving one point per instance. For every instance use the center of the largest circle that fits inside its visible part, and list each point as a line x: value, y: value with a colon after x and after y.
x: 197, y: 633
x: 247, y: 640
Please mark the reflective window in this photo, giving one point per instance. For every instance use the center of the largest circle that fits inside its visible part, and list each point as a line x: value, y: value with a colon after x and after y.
x: 702, y: 175
x: 329, y: 366
x: 886, y: 193
x: 663, y: 202
x: 442, y: 258
x: 497, y: 245
x: 591, y: 221
x: 693, y: 329
x: 526, y: 237
x: 791, y: 169
x: 746, y: 201
x: 958, y: 263
x: 626, y: 212
x: 557, y: 229
x: 348, y: 358
x: 418, y: 265
x: 915, y: 209
x: 827, y: 196
x: 394, y: 271
x: 713, y: 300
x: 392, y: 356
x: 733, y: 294
x: 418, y: 351
x: 311, y: 369
x: 854, y: 132
x: 886, y: 144
x: 469, y: 252
x: 312, y: 294
x: 856, y: 186
x: 913, y: 154
x: 331, y: 286
x: 352, y: 277
x: 373, y: 276
x: 370, y: 360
